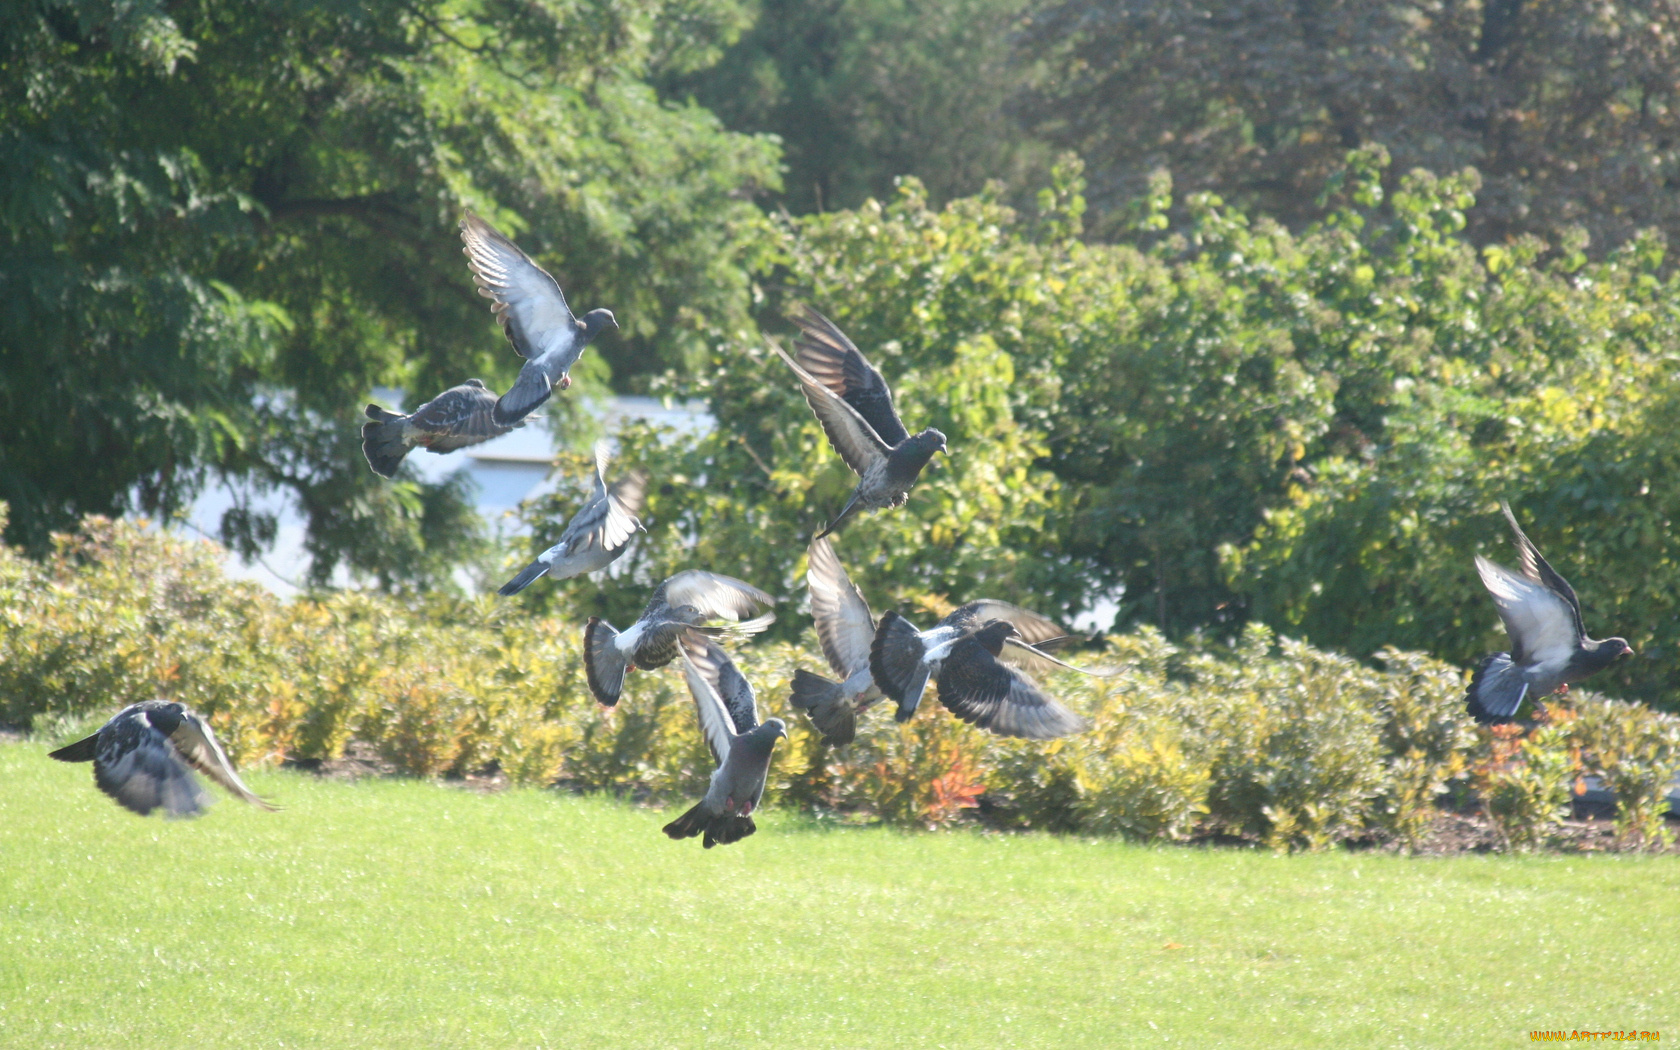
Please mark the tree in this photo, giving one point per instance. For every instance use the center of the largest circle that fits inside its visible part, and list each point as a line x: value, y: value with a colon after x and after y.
x: 1569, y: 110
x: 226, y: 222
x: 861, y: 92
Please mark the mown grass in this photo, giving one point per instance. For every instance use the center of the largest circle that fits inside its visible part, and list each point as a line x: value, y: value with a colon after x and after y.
x: 412, y: 914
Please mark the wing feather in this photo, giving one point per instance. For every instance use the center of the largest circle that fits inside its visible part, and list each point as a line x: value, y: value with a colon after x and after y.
x: 198, y: 747
x: 1536, y: 567
x: 528, y: 301
x: 731, y: 686
x: 713, y: 594
x: 835, y: 361
x: 851, y: 436
x: 715, y: 722
x: 845, y: 627
x: 981, y: 690
x: 1540, y: 622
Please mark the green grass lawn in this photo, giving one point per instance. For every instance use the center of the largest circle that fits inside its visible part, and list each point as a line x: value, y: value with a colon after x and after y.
x: 409, y: 914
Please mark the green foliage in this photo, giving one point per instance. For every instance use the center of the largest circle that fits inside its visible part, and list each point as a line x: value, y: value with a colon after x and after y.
x: 1636, y: 752
x: 861, y: 92
x: 1568, y: 109
x: 1525, y: 781
x: 226, y: 222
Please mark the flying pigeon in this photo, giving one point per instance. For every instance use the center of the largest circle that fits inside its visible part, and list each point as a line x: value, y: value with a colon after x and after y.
x: 456, y: 418
x: 740, y: 746
x: 970, y: 654
x: 141, y: 759
x: 855, y: 408
x: 1549, y: 646
x: 598, y: 533
x: 533, y: 314
x: 679, y: 607
x: 845, y: 628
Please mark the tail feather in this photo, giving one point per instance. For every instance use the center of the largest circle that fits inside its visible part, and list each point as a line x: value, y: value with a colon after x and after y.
x: 724, y: 830
x: 840, y: 519
x: 825, y: 703
x: 603, y: 664
x: 1496, y: 690
x: 690, y: 823
x: 527, y: 576
x: 382, y: 441
x: 82, y: 750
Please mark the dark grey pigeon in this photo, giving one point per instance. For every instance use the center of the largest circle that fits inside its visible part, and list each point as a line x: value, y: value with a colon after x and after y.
x: 846, y: 629
x: 740, y: 746
x: 144, y: 757
x: 970, y: 655
x: 680, y: 607
x: 598, y: 533
x: 533, y: 314
x: 855, y: 408
x: 456, y: 418
x: 1549, y: 646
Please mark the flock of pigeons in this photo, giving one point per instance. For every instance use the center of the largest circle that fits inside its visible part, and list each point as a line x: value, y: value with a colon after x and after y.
x: 979, y: 656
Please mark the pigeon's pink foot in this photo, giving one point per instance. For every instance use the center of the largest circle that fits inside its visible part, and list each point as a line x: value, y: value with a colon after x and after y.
x: 746, y: 810
x: 729, y: 804
x: 1563, y: 690
x: 565, y: 381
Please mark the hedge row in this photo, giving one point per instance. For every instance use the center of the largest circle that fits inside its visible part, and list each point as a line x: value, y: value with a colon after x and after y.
x: 1268, y: 739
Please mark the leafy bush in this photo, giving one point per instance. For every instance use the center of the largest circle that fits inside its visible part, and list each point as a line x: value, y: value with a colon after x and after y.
x: 1636, y: 752
x: 1265, y: 738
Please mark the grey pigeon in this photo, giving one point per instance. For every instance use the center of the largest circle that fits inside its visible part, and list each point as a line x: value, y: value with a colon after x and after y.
x: 141, y: 758
x: 533, y: 314
x: 597, y: 534
x: 845, y: 628
x: 740, y: 746
x: 970, y: 654
x: 1549, y: 645
x: 855, y: 408
x: 679, y: 608
x: 456, y: 418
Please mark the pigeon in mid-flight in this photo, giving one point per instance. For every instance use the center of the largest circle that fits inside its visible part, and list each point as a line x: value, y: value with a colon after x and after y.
x: 845, y: 627
x: 971, y: 654
x: 456, y: 418
x: 681, y: 606
x: 1549, y: 645
x: 598, y: 533
x: 141, y: 758
x: 533, y: 314
x: 855, y: 408
x: 740, y: 746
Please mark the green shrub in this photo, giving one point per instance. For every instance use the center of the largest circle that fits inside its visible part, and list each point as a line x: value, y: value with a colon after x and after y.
x: 1525, y: 780
x: 1636, y: 752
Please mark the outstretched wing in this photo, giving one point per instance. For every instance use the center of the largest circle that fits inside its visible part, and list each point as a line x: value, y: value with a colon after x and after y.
x: 139, y: 767
x: 844, y: 624
x: 715, y: 722
x: 608, y: 520
x: 528, y: 302
x: 720, y: 672
x: 835, y: 362
x: 1035, y: 631
x: 1541, y: 624
x: 1536, y: 567
x: 851, y: 436
x: 895, y: 658
x: 198, y: 747
x: 713, y: 594
x: 1000, y: 699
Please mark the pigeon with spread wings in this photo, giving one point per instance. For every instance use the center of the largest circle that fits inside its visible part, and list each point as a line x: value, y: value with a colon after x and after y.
x: 740, y: 746
x: 144, y: 758
x: 598, y: 533
x: 680, y: 607
x: 534, y: 316
x: 845, y: 627
x: 855, y: 408
x: 1549, y: 644
x: 974, y: 656
x: 456, y: 418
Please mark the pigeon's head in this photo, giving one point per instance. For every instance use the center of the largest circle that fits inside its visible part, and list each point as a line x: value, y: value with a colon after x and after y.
x: 1616, y: 647
x: 777, y: 727
x: 919, y: 448
x: 596, y: 320
x: 992, y: 636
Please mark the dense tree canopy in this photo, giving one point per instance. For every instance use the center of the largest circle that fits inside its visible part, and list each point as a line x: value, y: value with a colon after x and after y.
x: 225, y: 222
x: 1570, y: 110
